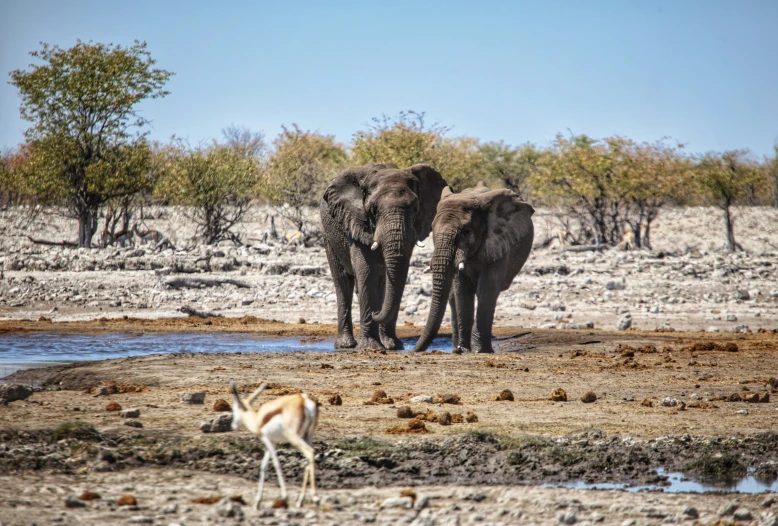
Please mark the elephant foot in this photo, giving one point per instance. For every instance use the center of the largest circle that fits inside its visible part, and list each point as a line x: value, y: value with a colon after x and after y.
x: 392, y: 343
x: 485, y: 348
x: 369, y: 343
x: 460, y: 350
x: 345, y: 341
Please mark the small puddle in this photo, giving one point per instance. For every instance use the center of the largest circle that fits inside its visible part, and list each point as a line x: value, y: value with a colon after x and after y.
x: 26, y: 351
x: 678, y: 483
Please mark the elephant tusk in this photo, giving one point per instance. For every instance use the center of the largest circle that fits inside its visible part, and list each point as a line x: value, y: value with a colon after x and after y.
x: 461, y: 266
x: 419, y: 245
x: 374, y: 246
x: 426, y: 270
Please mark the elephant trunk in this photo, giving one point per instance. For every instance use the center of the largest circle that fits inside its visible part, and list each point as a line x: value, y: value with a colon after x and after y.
x: 443, y: 268
x: 397, y: 245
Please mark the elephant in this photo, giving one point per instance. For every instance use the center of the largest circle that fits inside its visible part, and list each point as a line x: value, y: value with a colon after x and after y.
x: 482, y: 239
x: 372, y: 216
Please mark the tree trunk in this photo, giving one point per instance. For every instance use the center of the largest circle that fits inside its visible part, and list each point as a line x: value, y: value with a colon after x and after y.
x: 731, y: 243
x: 87, y: 226
x: 646, y: 238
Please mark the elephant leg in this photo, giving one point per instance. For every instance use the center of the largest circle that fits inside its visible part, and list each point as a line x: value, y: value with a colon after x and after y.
x: 388, y: 333
x: 454, y: 322
x: 464, y: 297
x: 488, y: 292
x: 368, y: 285
x: 344, y: 293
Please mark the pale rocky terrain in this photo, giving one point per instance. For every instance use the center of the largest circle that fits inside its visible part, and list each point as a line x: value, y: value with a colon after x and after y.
x: 687, y: 282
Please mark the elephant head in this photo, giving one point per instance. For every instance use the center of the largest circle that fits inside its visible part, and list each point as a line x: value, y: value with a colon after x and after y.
x: 475, y: 228
x: 387, y: 209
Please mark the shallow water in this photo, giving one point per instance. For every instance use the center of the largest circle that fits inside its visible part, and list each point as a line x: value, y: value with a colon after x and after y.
x: 25, y: 351
x: 678, y: 483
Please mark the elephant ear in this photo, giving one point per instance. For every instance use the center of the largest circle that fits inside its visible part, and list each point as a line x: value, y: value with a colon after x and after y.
x: 431, y: 185
x: 509, y: 222
x: 346, y: 201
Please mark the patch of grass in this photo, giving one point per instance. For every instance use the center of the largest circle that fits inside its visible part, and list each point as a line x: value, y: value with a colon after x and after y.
x: 363, y: 446
x: 725, y: 468
x: 507, y: 442
x: 78, y: 430
x: 482, y: 436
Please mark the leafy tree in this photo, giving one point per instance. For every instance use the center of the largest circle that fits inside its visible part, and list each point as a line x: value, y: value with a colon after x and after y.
x: 217, y: 182
x: 581, y: 176
x: 299, y: 169
x: 85, y: 140
x: 724, y: 178
x: 510, y: 166
x: 407, y: 140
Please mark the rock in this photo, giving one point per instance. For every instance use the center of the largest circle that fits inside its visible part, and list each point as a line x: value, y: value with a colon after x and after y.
x: 570, y: 517
x: 127, y: 500
x: 769, y: 501
x: 405, y: 412
x: 615, y: 285
x: 752, y: 398
x: 558, y: 395
x: 397, y: 502
x: 71, y: 501
x: 447, y: 398
x: 133, y: 423
x: 690, y: 512
x: 170, y: 508
x: 13, y: 392
x: 101, y: 391
x: 773, y: 383
x: 220, y: 424
x: 279, y: 504
x: 741, y: 328
x: 421, y: 399
x: 129, y: 413
x: 742, y: 515
x: 221, y: 406
x: 89, y: 495
x: 624, y: 323
x: 743, y: 295
x: 113, y: 406
x: 444, y: 418
x: 335, y: 400
x: 306, y: 270
x: 712, y: 329
x: 742, y: 412
x: 731, y: 317
x: 411, y: 309
x: 471, y: 417
x: 647, y: 402
x: 767, y: 519
x: 669, y: 402
x: 140, y: 519
x: 589, y: 397
x: 192, y: 397
x: 229, y: 508
x: 734, y: 397
x: 505, y: 395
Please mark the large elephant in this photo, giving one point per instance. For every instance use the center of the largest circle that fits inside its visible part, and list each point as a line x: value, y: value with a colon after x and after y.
x: 482, y: 239
x: 372, y: 217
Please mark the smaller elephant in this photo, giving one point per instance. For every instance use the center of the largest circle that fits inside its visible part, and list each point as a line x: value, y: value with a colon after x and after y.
x: 482, y: 239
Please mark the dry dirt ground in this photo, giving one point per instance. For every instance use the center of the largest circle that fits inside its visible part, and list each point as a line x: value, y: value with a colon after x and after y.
x: 482, y: 466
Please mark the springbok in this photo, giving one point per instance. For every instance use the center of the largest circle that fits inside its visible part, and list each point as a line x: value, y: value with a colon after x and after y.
x: 290, y: 418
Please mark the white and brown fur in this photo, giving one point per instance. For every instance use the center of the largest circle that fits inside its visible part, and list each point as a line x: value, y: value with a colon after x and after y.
x: 290, y: 418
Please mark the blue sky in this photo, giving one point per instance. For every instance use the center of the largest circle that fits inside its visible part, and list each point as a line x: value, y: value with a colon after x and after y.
x: 702, y: 72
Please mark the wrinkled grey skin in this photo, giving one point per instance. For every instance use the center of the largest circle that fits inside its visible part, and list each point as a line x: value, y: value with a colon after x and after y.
x: 482, y: 239
x: 372, y: 217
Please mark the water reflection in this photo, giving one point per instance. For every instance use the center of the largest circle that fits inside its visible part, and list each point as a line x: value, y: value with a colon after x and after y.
x: 23, y: 351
